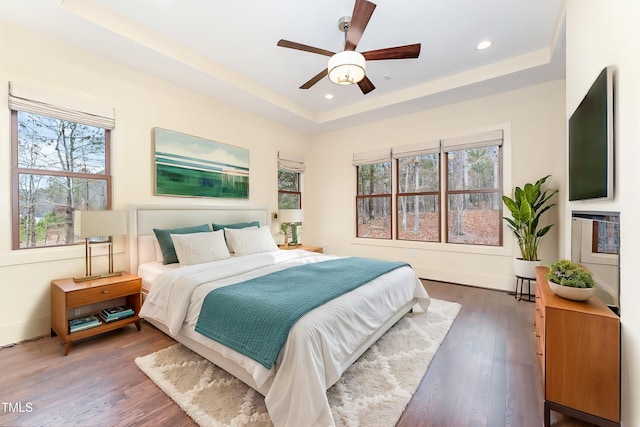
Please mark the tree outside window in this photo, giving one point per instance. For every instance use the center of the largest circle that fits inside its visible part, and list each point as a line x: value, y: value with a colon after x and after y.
x: 373, y: 201
x: 58, y: 166
x: 418, y: 198
x: 474, y: 205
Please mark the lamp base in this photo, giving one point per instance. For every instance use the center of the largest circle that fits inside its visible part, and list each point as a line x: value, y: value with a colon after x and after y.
x: 96, y: 276
x: 114, y: 274
x: 86, y: 278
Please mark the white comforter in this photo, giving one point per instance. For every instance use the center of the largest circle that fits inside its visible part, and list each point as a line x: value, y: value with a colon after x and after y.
x: 319, y: 347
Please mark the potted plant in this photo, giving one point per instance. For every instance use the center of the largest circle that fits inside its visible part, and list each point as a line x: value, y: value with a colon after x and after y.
x: 529, y: 203
x: 570, y: 280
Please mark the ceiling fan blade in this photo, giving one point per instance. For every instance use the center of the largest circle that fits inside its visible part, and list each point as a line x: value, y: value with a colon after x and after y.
x: 365, y: 85
x: 398, y: 52
x: 362, y: 12
x: 304, y: 47
x: 315, y: 79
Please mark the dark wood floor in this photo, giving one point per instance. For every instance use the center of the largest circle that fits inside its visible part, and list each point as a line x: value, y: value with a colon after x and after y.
x: 484, y: 374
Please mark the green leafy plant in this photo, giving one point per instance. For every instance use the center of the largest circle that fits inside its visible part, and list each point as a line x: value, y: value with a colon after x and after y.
x: 568, y: 273
x: 529, y: 204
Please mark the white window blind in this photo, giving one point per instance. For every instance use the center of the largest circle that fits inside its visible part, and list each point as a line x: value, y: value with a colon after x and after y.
x: 290, y: 162
x: 420, y: 149
x: 31, y: 100
x: 371, y: 157
x: 469, y: 142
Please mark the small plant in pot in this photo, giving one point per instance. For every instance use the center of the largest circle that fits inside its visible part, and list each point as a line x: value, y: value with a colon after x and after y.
x: 570, y: 280
x: 527, y: 206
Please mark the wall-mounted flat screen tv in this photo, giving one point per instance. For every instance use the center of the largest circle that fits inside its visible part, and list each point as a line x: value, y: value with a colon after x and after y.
x: 591, y: 142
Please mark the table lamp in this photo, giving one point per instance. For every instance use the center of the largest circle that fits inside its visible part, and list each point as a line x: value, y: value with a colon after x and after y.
x: 99, y: 224
x: 293, y: 217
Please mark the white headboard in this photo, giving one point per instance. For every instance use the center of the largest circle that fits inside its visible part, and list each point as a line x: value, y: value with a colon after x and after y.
x: 143, y: 219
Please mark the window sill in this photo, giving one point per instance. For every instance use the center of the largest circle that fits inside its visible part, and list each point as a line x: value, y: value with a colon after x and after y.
x: 436, y: 246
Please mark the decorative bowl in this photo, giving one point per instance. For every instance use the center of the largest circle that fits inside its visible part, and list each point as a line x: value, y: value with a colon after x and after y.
x: 569, y: 292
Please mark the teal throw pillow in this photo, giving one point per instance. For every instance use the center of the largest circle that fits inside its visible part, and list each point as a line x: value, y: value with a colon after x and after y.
x: 236, y: 225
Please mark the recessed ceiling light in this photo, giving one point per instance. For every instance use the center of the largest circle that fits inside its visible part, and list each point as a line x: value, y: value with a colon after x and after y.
x: 483, y: 45
x: 328, y: 96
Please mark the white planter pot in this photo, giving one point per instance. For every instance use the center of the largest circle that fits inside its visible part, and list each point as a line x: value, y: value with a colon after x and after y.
x: 575, y: 294
x: 525, y: 269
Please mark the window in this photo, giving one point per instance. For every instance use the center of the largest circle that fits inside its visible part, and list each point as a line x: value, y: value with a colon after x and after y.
x: 289, y: 195
x: 418, y: 192
x: 373, y: 200
x: 290, y: 169
x: 456, y: 182
x: 474, y: 190
x: 58, y: 166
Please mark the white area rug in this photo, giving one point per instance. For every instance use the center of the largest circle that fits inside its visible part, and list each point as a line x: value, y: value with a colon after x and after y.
x: 374, y: 391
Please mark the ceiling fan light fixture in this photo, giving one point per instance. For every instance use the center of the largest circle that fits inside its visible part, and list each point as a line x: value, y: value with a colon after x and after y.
x: 346, y: 67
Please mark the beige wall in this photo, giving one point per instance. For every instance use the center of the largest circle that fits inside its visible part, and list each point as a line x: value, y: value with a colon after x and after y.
x: 533, y: 119
x: 599, y: 34
x: 141, y: 103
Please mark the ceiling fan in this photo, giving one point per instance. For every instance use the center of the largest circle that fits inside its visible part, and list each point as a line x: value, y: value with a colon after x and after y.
x: 348, y: 66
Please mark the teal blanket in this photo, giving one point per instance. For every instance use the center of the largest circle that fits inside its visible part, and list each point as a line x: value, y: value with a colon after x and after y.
x: 254, y: 317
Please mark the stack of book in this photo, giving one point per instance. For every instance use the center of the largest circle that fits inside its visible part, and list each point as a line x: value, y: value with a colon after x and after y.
x: 82, y: 323
x: 113, y: 314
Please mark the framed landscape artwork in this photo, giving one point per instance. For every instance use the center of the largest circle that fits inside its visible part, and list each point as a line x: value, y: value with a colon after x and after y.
x: 189, y: 166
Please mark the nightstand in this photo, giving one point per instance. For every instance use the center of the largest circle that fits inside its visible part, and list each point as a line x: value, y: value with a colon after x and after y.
x: 303, y: 247
x: 67, y: 294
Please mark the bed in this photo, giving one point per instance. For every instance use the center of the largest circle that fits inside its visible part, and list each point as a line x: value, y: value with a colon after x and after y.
x: 321, y: 345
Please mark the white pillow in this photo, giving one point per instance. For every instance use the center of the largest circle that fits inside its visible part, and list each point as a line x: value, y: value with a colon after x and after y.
x: 197, y: 248
x: 251, y: 240
x: 226, y: 235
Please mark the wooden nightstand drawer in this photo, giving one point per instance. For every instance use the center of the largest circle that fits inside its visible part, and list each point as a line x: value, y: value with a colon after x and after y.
x: 100, y: 293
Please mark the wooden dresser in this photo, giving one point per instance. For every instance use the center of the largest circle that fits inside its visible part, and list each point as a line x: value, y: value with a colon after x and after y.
x: 579, y: 351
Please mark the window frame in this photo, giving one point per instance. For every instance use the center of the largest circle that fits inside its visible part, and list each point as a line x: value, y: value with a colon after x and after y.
x: 16, y: 171
x: 388, y: 196
x: 437, y: 193
x: 498, y: 191
x: 492, y: 138
x: 298, y: 193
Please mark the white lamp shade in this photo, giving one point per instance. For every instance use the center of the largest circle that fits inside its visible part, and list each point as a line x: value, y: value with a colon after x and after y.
x: 346, y: 67
x: 291, y: 215
x: 100, y: 223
